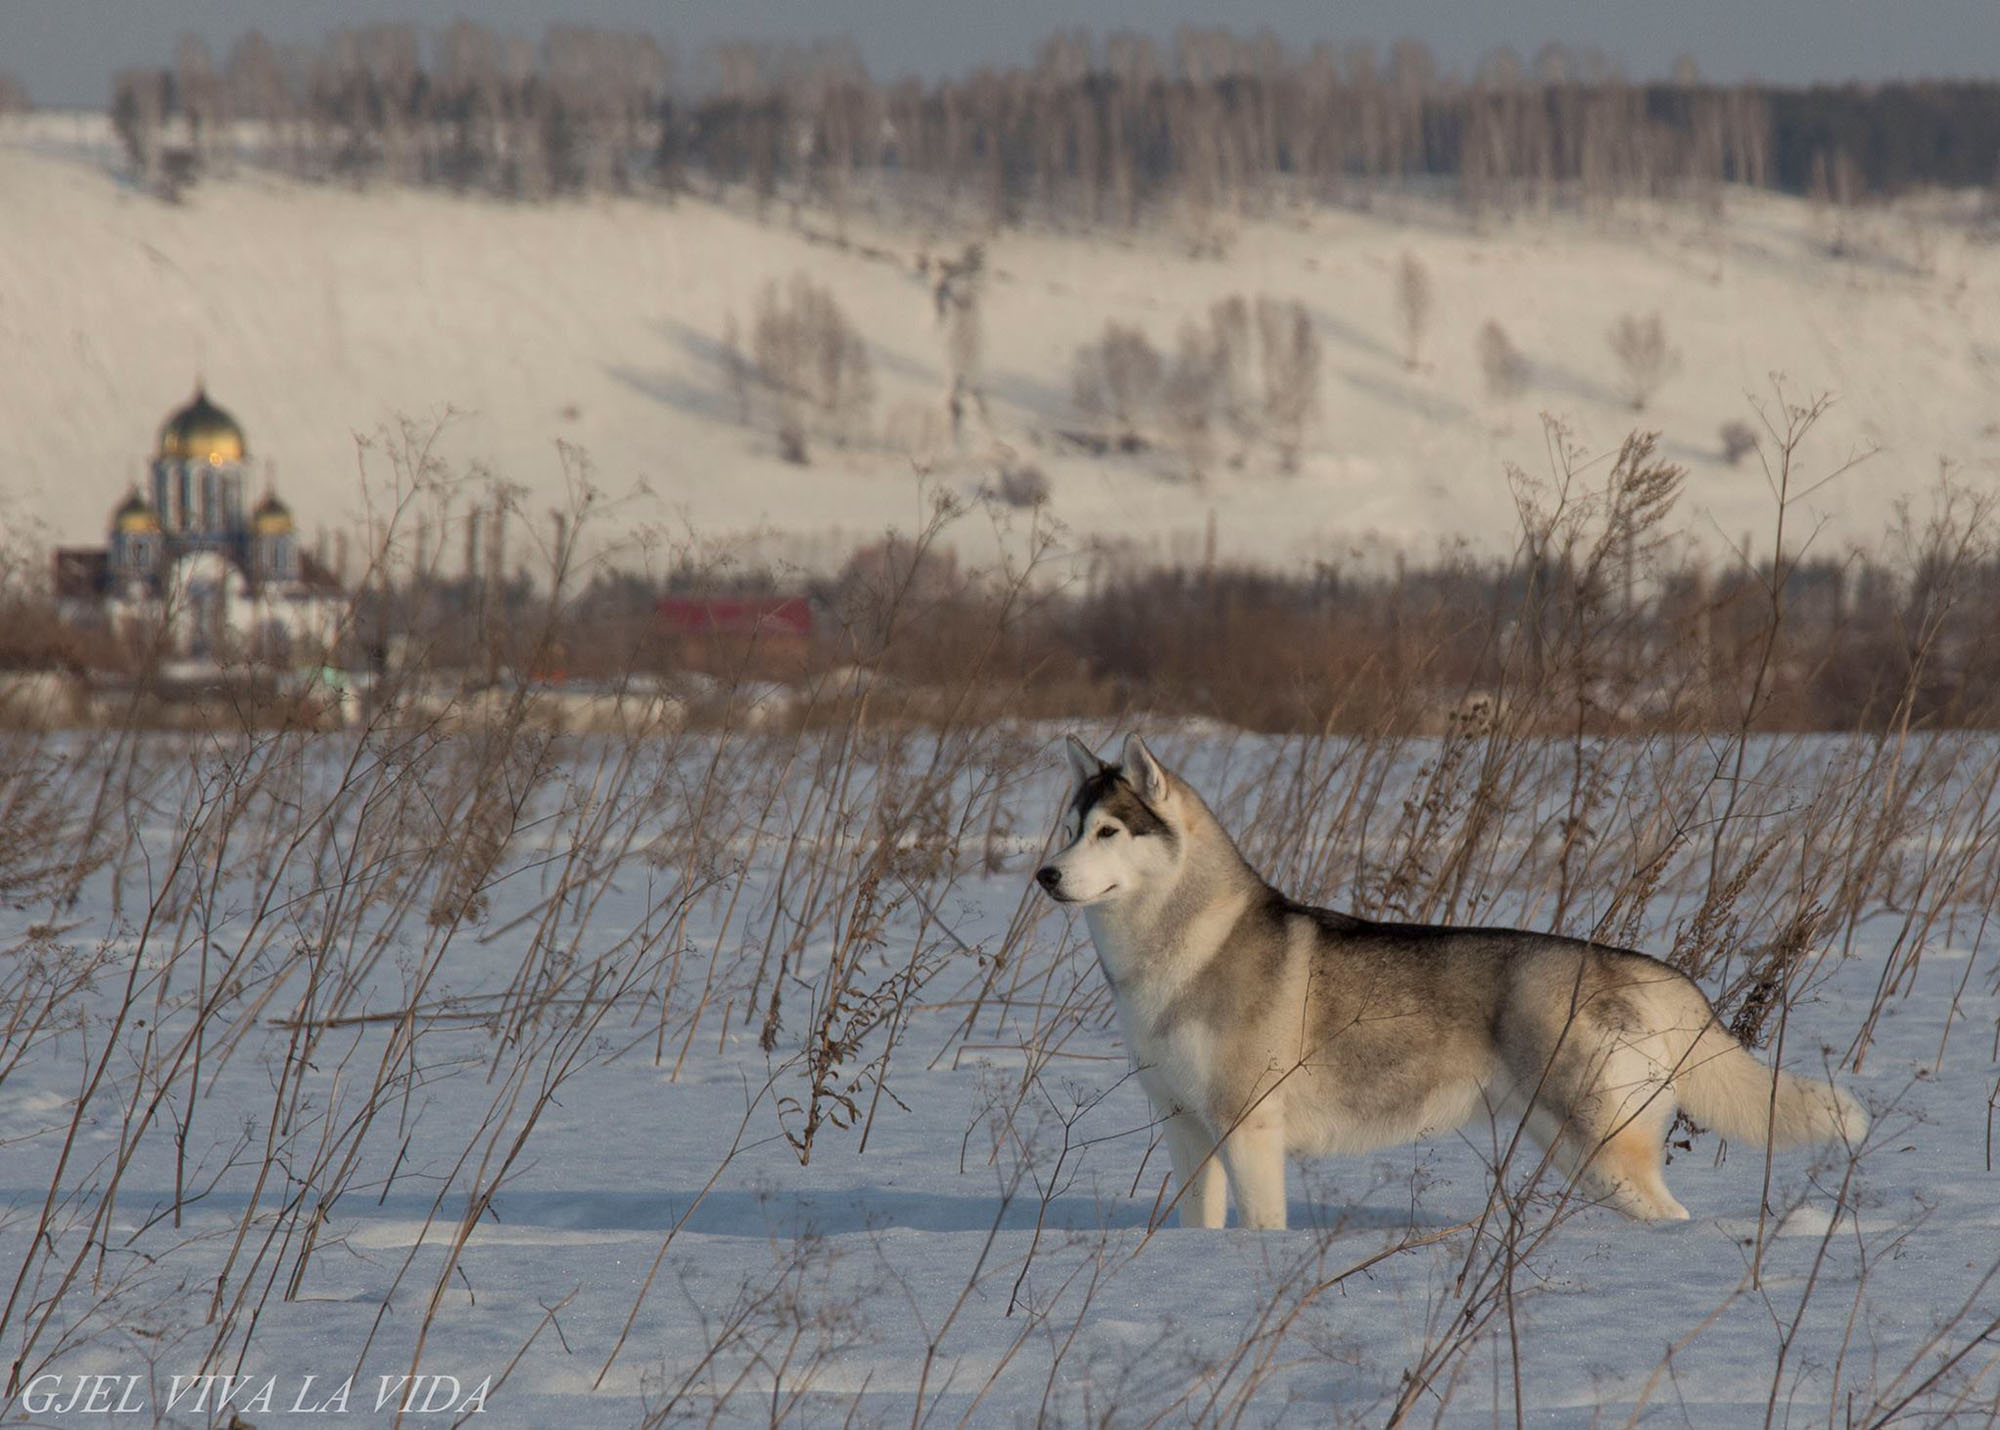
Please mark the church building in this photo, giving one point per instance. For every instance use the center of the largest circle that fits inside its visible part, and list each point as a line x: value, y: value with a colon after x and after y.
x: 183, y: 553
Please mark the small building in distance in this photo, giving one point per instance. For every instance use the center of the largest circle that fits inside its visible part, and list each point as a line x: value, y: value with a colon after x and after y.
x: 184, y: 557
x: 735, y: 634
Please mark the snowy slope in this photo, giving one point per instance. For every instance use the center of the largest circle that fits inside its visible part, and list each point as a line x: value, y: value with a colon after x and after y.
x: 316, y: 314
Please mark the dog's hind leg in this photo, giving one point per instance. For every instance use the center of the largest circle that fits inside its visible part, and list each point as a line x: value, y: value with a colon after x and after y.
x: 1627, y: 1171
x: 1634, y: 1107
x: 1614, y: 1154
x: 1198, y: 1176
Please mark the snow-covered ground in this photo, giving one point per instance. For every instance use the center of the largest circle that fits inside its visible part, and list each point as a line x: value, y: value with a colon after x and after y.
x: 319, y: 314
x: 571, y: 1177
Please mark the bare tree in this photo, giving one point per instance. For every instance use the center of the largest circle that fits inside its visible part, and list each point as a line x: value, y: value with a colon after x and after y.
x: 779, y: 342
x: 1134, y: 64
x: 812, y: 363
x: 1414, y: 300
x: 956, y: 295
x: 1117, y: 380
x: 471, y: 94
x: 1833, y: 190
x: 253, y: 81
x: 646, y: 70
x: 199, y: 93
x: 138, y: 107
x: 524, y: 167
x: 1193, y: 385
x: 254, y: 87
x: 1412, y: 78
x: 1506, y: 370
x: 737, y: 368
x: 1500, y: 68
x: 1291, y: 354
x: 391, y: 57
x: 13, y: 94
x: 844, y: 385
x: 601, y: 86
x: 1235, y: 359
x: 1645, y: 359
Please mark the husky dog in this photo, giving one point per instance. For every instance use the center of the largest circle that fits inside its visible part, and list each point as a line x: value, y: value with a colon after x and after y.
x: 1261, y: 1027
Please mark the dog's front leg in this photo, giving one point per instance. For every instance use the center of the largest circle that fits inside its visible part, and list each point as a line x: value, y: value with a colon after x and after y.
x: 1253, y: 1154
x: 1198, y: 1179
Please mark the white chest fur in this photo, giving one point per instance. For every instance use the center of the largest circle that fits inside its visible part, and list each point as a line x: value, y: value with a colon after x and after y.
x: 1148, y: 965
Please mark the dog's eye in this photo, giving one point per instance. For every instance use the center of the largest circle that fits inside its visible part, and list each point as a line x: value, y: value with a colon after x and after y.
x: 1107, y: 831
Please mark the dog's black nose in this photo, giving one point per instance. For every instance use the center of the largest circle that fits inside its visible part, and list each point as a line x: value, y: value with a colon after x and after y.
x: 1049, y: 877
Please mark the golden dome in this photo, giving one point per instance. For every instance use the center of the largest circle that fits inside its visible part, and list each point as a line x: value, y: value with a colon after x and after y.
x: 272, y: 517
x: 202, y: 432
x: 135, y: 514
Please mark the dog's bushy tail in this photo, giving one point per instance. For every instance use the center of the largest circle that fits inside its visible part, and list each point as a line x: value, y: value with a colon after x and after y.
x: 1722, y: 1086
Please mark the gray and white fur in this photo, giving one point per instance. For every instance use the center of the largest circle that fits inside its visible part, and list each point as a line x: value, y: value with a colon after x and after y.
x: 1262, y: 1027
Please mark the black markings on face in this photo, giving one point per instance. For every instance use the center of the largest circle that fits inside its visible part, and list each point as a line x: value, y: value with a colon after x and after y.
x: 1108, y: 792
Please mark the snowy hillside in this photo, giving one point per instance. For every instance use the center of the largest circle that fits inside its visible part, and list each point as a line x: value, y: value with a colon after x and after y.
x: 317, y: 313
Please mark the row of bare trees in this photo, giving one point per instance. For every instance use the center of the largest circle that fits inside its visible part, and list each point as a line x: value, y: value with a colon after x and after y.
x: 1250, y: 375
x: 581, y: 112
x: 1090, y: 132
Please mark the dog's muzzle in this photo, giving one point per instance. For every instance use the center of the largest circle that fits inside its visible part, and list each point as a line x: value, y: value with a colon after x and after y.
x: 1050, y: 878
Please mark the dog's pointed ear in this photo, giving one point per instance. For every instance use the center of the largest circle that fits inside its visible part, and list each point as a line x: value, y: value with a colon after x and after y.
x: 1148, y: 775
x: 1083, y: 761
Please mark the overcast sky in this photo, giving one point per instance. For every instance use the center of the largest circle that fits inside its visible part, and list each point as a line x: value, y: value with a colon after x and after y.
x: 66, y: 50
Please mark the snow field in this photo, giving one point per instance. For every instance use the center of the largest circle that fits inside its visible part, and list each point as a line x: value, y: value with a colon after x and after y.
x: 398, y: 1054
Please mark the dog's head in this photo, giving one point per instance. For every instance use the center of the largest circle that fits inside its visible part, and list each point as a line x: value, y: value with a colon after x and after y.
x: 1123, y: 827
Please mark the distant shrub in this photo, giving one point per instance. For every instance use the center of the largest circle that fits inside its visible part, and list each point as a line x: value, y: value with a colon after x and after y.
x: 1738, y: 441
x: 1020, y: 486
